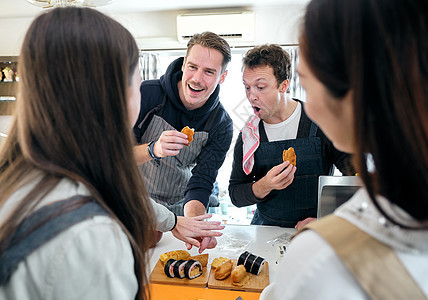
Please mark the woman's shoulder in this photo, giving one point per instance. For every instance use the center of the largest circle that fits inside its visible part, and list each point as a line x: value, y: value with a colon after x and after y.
x: 362, y: 212
x: 91, y: 258
x: 86, y: 257
x: 309, y: 266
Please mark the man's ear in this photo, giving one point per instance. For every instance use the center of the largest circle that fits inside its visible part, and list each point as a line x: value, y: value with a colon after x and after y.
x: 223, y: 77
x: 283, y: 87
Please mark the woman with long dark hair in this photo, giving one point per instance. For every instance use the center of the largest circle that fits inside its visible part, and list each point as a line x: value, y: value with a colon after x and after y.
x: 69, y: 156
x: 364, y: 66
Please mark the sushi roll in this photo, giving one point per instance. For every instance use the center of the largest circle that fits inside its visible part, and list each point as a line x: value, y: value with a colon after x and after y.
x: 249, y: 262
x: 257, y: 266
x: 169, y: 267
x: 192, y: 269
x: 243, y: 257
x: 179, y: 268
x: 252, y: 263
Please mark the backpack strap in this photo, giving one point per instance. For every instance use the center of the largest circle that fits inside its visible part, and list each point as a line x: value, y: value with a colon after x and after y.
x: 374, y: 265
x: 41, y: 226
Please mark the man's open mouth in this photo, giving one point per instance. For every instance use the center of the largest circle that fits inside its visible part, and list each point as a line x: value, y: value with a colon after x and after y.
x: 195, y: 89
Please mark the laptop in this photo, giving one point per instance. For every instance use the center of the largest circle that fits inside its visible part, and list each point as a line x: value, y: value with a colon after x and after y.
x: 333, y: 191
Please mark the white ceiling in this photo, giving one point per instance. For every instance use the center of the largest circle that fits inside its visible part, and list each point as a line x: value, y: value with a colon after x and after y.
x: 21, y: 8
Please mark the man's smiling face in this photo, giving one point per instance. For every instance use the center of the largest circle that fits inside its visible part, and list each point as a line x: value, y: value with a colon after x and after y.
x: 202, y: 71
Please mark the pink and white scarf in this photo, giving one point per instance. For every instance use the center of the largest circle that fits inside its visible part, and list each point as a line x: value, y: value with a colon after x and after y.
x: 251, y: 141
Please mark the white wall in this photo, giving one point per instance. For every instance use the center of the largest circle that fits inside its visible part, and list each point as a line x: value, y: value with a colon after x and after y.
x: 278, y: 25
x: 154, y: 30
x: 12, y: 32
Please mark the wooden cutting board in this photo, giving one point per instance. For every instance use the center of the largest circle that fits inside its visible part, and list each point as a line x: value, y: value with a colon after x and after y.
x: 158, y: 276
x: 256, y: 283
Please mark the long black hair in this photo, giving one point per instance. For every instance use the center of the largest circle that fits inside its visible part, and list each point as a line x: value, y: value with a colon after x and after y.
x: 379, y: 50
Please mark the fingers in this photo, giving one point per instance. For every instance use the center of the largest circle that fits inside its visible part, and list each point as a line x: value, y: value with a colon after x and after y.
x: 303, y: 223
x: 208, y: 225
x: 207, y: 230
x: 202, y: 217
x: 173, y: 137
x: 278, y: 169
x: 214, y: 225
x: 170, y: 143
x: 204, y: 228
x: 192, y: 242
x: 208, y: 243
x: 204, y: 245
x: 279, y: 178
x: 209, y: 233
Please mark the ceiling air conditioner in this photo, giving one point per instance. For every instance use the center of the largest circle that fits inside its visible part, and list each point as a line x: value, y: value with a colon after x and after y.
x: 232, y: 26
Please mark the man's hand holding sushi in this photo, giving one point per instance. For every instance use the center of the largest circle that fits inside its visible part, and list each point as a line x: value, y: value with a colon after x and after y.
x: 278, y: 178
x: 170, y: 143
x: 194, y: 231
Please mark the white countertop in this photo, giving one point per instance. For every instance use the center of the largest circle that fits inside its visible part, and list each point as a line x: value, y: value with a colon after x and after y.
x: 235, y: 240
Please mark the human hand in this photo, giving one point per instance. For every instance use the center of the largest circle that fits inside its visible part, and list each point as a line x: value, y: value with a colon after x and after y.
x: 280, y: 176
x: 169, y: 143
x: 194, y: 231
x: 277, y: 178
x: 301, y: 224
x: 206, y: 242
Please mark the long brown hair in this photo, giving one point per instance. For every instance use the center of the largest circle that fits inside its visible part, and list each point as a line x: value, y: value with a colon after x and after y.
x: 72, y: 121
x: 378, y: 49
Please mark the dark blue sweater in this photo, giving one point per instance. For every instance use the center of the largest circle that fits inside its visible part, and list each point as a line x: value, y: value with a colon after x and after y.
x: 175, y: 113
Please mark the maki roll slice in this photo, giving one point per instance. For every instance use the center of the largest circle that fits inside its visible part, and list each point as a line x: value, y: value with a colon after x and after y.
x: 243, y: 257
x: 179, y: 268
x: 252, y: 263
x: 192, y: 269
x: 257, y: 266
x: 169, y: 267
x: 249, y: 262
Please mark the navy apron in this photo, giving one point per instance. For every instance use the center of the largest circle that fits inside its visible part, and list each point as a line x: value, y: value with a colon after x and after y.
x: 299, y: 200
x: 166, y: 182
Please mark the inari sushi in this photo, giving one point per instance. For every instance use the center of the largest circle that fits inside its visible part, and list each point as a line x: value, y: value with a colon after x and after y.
x: 192, y: 269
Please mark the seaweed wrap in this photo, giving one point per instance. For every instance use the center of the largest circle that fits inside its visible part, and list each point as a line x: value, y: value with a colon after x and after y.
x: 252, y: 263
x: 192, y: 269
x: 179, y: 268
x: 169, y: 267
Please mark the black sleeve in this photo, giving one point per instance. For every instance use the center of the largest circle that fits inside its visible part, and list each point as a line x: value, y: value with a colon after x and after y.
x: 342, y: 160
x: 209, y: 162
x: 240, y: 184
